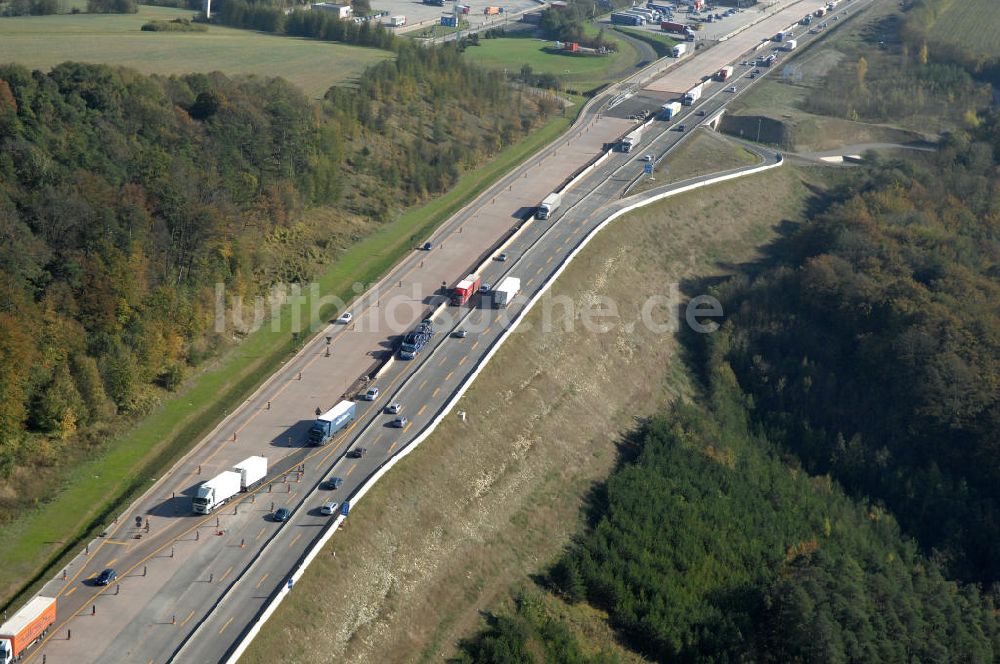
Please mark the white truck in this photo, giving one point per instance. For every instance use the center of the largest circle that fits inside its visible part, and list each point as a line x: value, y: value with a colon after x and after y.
x: 669, y: 110
x: 217, y: 491
x: 26, y: 627
x: 397, y: 21
x: 790, y: 45
x: 631, y: 139
x: 678, y: 50
x: 505, y: 291
x: 548, y: 206
x: 252, y: 471
x: 693, y: 95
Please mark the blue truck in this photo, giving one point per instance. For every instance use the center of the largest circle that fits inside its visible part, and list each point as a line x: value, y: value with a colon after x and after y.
x: 331, y: 422
x: 415, y: 340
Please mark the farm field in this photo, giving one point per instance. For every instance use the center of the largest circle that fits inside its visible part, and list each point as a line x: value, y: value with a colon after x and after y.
x: 511, y: 53
x: 41, y: 42
x: 972, y: 24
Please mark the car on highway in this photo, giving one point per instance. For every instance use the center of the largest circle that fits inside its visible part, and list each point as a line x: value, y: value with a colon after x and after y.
x: 345, y: 318
x: 334, y: 482
x: 394, y: 408
x: 357, y: 452
x: 460, y: 334
x: 282, y: 514
x: 701, y: 112
x: 400, y: 422
x: 329, y: 507
x: 428, y: 246
x: 502, y: 257
x: 371, y: 394
x: 680, y: 127
x: 485, y: 288
x: 648, y: 157
x: 106, y: 577
x: 732, y: 88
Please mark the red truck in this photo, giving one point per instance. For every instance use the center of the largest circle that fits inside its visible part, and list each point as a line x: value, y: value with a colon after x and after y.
x: 671, y: 26
x: 26, y: 627
x: 465, y: 289
x: 724, y: 73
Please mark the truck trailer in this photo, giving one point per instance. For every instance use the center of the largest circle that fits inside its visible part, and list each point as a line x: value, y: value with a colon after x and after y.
x: 331, y: 422
x: 465, y: 289
x: 548, y: 206
x: 505, y: 292
x: 674, y: 26
x: 252, y: 472
x: 26, y: 627
x: 693, y: 95
x: 397, y: 21
x: 669, y: 110
x: 631, y: 139
x: 724, y: 73
x: 217, y: 491
x: 621, y: 18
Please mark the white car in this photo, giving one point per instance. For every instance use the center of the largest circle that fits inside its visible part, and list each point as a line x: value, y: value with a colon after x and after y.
x: 345, y: 318
x: 648, y: 157
x: 394, y: 408
x: 371, y: 394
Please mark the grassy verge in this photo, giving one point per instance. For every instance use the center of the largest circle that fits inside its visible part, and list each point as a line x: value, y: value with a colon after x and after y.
x: 483, y: 505
x: 705, y: 152
x: 661, y: 43
x: 965, y: 24
x: 44, y: 539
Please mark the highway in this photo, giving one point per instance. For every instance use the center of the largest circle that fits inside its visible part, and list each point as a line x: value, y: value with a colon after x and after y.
x: 175, y: 571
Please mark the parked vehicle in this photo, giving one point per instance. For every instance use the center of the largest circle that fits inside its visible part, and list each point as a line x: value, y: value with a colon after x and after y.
x: 492, y: 11
x: 669, y: 110
x: 674, y: 27
x: 506, y: 291
x: 548, y: 206
x: 397, y: 21
x: 27, y: 626
x: 216, y: 492
x: 252, y: 471
x: 331, y: 422
x: 622, y: 18
x: 465, y: 289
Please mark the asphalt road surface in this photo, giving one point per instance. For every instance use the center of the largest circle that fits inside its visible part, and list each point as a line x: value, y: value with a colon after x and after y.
x: 173, y: 572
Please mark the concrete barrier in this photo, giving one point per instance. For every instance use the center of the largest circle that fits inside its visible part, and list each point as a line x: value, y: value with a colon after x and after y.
x: 251, y: 632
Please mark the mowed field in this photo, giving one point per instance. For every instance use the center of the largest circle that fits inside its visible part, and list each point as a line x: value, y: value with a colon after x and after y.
x: 485, y: 504
x: 972, y: 24
x: 40, y: 42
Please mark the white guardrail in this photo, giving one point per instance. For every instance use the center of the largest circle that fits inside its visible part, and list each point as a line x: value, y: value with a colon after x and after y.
x: 286, y: 587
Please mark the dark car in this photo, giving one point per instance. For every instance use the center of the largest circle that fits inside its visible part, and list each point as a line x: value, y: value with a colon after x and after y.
x: 282, y: 514
x: 106, y: 577
x: 428, y: 246
x: 357, y: 452
x: 400, y: 422
x: 460, y: 334
x: 335, y: 482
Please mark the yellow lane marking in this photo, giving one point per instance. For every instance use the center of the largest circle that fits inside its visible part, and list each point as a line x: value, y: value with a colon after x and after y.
x: 263, y: 579
x: 294, y: 540
x: 539, y: 270
x: 111, y: 562
x: 528, y: 282
x: 550, y: 259
x: 225, y: 574
x: 422, y: 409
x: 422, y: 384
x: 392, y: 447
x: 462, y: 361
x: 407, y: 427
x: 443, y: 360
x: 435, y: 392
x: 450, y: 374
x: 474, y: 346
x: 350, y: 470
x: 259, y: 533
x: 71, y: 591
x: 226, y: 625
x: 189, y: 616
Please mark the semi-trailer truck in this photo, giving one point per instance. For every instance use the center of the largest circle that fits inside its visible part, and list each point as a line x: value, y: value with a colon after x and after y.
x: 217, y: 491
x: 669, y: 110
x: 465, y: 289
x: 548, y: 206
x: 505, y: 292
x: 621, y: 18
x: 673, y: 26
x: 631, y: 139
x: 724, y: 73
x: 331, y: 422
x: 26, y: 627
x: 252, y: 472
x: 693, y: 95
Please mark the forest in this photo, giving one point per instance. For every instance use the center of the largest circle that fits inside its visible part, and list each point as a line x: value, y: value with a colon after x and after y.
x: 125, y: 198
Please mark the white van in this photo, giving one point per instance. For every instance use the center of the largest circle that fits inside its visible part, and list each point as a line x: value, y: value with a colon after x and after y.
x: 329, y: 508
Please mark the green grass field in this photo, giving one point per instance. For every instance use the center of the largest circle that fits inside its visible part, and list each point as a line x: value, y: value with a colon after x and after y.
x: 43, y: 539
x: 972, y: 24
x: 579, y: 71
x: 40, y: 42
x: 659, y: 41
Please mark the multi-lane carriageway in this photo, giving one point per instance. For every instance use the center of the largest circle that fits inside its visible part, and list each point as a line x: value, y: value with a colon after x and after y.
x: 174, y: 574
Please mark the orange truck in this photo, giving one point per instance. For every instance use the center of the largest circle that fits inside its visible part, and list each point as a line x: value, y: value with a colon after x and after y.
x: 491, y: 11
x: 26, y: 627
